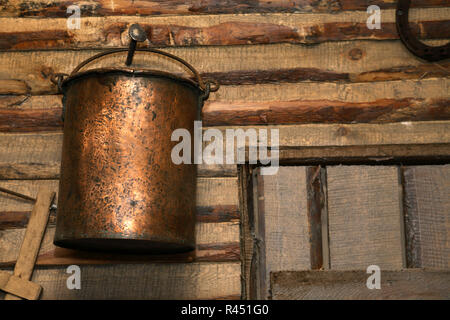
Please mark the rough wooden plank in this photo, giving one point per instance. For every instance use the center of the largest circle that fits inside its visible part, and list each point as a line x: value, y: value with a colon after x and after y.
x: 57, y: 8
x: 36, y: 156
x: 427, y: 219
x: 274, y: 112
x: 144, y: 281
x: 316, y: 210
x: 211, y: 194
x: 215, y: 242
x: 31, y: 156
x: 313, y: 111
x: 395, y: 285
x: 35, y: 68
x: 283, y: 225
x: 365, y: 217
x: 106, y: 32
x: 247, y: 234
x: 19, y: 287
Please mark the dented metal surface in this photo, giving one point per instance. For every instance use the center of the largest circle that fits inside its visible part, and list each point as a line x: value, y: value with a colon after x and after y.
x: 119, y: 189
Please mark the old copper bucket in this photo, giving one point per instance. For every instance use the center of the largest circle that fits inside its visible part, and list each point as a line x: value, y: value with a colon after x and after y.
x: 119, y: 189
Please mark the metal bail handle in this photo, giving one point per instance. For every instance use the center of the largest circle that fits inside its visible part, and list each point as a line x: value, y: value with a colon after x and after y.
x: 137, y: 34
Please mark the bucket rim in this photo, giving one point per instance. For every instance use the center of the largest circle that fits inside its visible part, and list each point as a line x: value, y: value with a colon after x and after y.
x: 130, y: 72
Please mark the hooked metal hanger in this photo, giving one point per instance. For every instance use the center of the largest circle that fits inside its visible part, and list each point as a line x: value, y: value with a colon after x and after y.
x: 411, y: 42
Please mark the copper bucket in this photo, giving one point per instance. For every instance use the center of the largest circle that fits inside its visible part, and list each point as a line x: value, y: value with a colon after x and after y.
x: 119, y: 189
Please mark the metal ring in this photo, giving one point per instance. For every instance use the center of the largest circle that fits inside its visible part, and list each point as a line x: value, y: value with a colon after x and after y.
x: 411, y: 42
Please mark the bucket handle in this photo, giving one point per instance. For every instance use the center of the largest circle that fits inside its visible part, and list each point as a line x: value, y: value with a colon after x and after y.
x: 209, y: 86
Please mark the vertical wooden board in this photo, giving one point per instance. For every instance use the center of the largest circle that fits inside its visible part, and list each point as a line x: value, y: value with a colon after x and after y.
x: 282, y: 214
x: 365, y: 217
x: 427, y: 216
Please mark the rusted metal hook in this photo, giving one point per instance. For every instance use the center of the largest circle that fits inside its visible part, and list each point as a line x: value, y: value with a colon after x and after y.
x: 411, y: 42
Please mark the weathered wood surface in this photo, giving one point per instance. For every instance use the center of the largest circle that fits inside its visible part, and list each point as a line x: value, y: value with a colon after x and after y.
x: 57, y: 8
x: 215, y: 242
x: 276, y: 112
x: 18, y: 287
x: 37, y: 155
x: 217, y: 229
x: 30, y: 72
x: 283, y: 226
x: 365, y: 217
x: 144, y: 281
x: 248, y: 29
x: 395, y: 285
x: 427, y: 216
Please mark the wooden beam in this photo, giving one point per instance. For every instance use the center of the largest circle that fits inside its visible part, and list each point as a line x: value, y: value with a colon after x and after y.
x: 30, y: 72
x: 216, y: 242
x: 144, y: 281
x: 427, y: 220
x: 395, y: 285
x: 57, y: 8
x: 254, y: 113
x: 36, y: 156
x: 248, y: 29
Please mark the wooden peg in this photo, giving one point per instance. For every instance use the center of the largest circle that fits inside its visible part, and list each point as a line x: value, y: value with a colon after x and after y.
x: 18, y: 285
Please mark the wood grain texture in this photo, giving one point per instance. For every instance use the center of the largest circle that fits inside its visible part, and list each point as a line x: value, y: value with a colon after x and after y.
x: 36, y: 156
x: 316, y: 210
x: 57, y: 8
x: 365, y: 217
x: 215, y: 242
x: 282, y: 210
x: 427, y: 220
x: 19, y: 287
x: 33, y: 69
x: 340, y: 285
x: 144, y: 281
x: 275, y: 112
x: 222, y: 30
x: 247, y: 229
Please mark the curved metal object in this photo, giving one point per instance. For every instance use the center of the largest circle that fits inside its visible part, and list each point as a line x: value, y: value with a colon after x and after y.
x: 411, y: 42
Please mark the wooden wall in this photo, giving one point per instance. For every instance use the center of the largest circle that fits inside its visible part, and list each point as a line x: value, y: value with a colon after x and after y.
x: 280, y: 62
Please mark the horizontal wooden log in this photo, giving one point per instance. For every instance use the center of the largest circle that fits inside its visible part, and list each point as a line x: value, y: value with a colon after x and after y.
x: 217, y: 198
x: 277, y: 112
x: 57, y: 8
x: 215, y: 242
x: 37, y: 156
x: 45, y: 149
x: 325, y: 111
x: 109, y: 32
x: 144, y: 281
x: 30, y: 72
x: 220, y: 213
x: 395, y: 285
